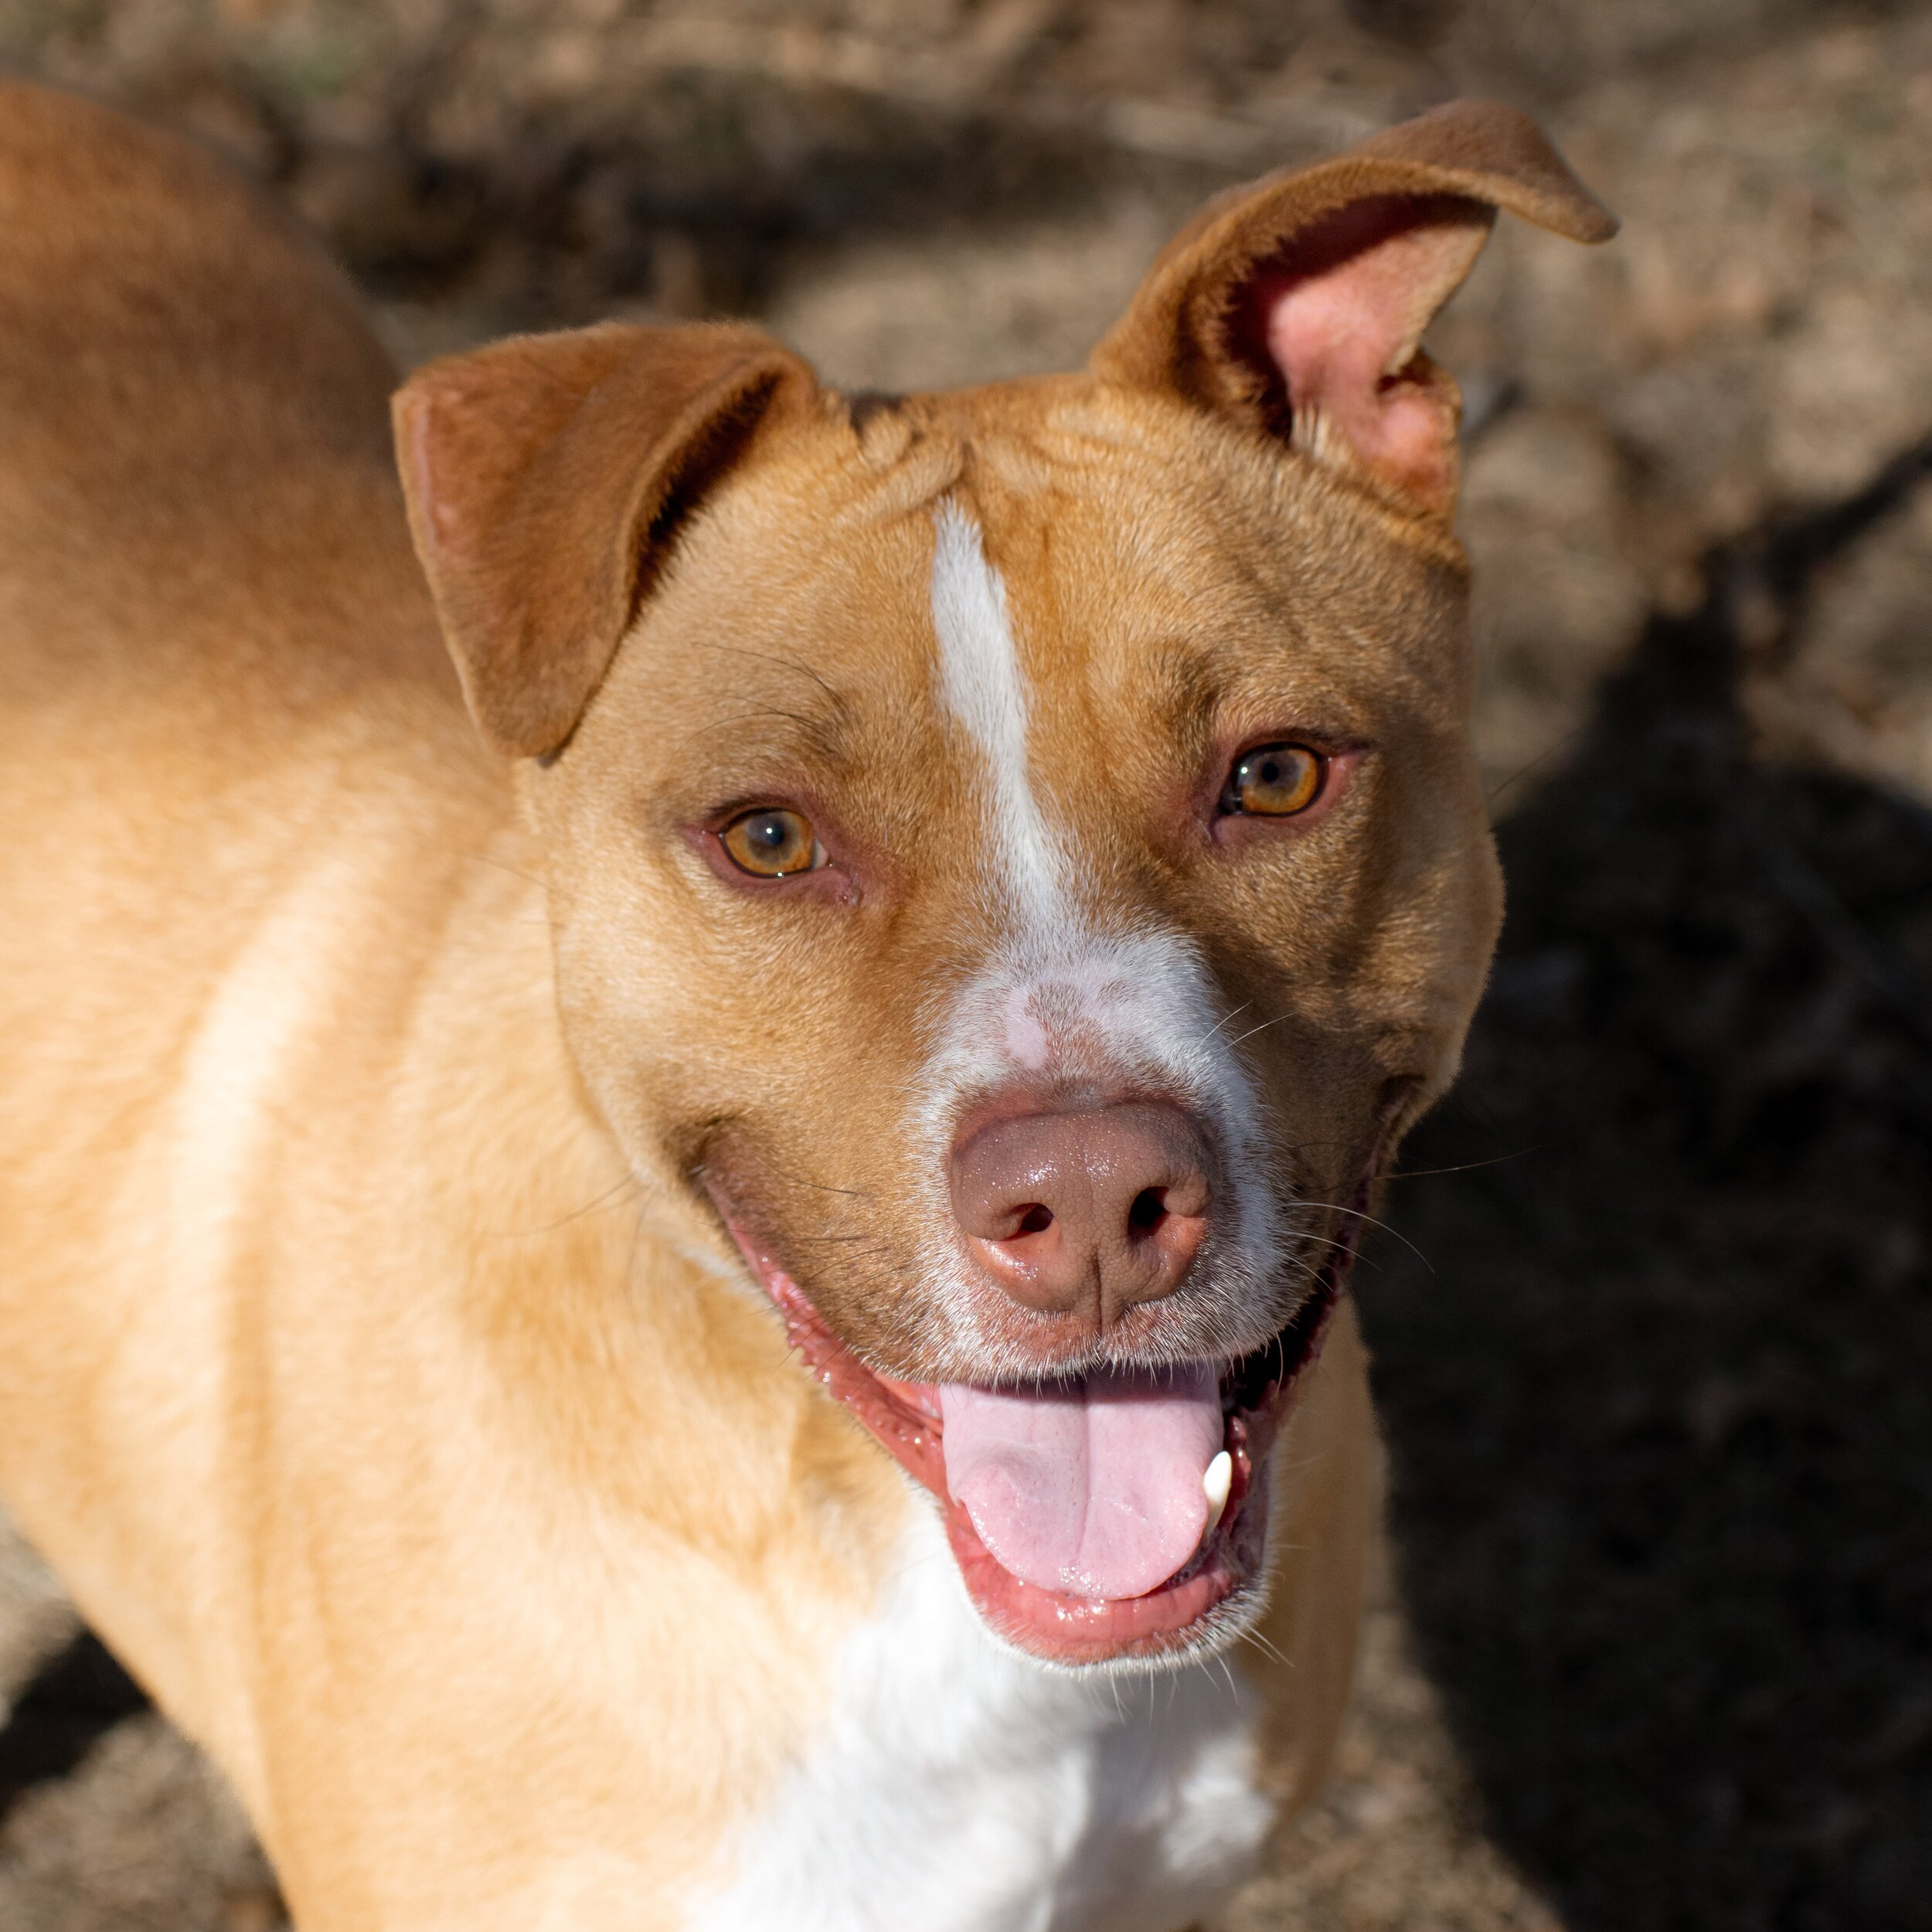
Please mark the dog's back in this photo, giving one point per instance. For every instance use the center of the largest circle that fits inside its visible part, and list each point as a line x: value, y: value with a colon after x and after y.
x: 216, y: 652
x: 194, y: 410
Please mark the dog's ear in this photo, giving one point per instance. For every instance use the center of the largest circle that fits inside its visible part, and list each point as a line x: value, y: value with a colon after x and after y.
x: 545, y: 475
x: 1296, y: 304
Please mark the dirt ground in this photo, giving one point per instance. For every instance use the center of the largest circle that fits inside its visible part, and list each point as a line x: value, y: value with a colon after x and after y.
x: 1652, y: 1651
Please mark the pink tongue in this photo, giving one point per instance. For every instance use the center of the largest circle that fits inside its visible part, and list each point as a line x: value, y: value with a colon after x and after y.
x: 1092, y: 1487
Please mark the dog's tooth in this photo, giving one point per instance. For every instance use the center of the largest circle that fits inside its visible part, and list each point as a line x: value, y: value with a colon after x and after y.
x: 1216, y: 1479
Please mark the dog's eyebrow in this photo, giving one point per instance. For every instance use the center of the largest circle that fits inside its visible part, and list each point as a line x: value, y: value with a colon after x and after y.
x: 839, y: 701
x: 1186, y: 691
x: 821, y: 736
x: 823, y: 719
x: 823, y: 713
x: 1199, y: 695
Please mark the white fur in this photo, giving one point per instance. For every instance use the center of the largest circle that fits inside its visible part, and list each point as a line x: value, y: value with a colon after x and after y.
x: 233, y: 1064
x: 1061, y: 993
x: 980, y: 685
x: 959, y: 1786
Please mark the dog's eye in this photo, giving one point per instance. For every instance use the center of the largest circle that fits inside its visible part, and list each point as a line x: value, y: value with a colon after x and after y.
x: 1275, y: 781
x: 772, y: 843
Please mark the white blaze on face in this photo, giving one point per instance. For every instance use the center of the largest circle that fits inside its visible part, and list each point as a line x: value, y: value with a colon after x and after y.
x: 980, y: 683
x: 1075, y: 986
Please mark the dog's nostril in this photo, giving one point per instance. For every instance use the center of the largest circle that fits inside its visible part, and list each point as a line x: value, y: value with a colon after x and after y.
x: 1086, y: 1211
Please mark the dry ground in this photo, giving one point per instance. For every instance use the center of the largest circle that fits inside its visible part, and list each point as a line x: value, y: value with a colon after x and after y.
x: 1654, y: 1322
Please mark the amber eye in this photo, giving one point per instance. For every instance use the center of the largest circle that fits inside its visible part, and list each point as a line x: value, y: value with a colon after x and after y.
x: 771, y: 844
x: 1275, y: 781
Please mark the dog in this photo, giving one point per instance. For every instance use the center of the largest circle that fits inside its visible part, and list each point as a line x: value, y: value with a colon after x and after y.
x: 691, y: 1065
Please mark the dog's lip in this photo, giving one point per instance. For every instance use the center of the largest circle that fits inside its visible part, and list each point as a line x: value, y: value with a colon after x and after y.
x: 1177, y: 1615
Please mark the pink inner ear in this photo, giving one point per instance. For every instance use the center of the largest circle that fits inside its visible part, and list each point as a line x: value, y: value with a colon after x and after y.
x: 1339, y: 316
x: 441, y: 476
x: 415, y: 453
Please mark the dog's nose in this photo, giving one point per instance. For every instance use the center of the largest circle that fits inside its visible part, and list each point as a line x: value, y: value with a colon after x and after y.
x: 1096, y: 1210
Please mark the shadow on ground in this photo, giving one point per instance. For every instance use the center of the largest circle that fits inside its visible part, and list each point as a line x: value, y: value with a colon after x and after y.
x: 1660, y: 1400
x: 73, y: 1702
x: 691, y: 203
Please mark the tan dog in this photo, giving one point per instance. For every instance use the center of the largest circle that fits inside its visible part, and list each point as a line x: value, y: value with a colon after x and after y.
x: 991, y: 874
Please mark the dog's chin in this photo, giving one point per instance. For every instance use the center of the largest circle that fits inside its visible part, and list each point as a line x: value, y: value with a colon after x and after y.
x: 1205, y: 1603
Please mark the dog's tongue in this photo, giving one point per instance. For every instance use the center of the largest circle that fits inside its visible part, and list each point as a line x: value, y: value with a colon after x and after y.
x: 1092, y: 1487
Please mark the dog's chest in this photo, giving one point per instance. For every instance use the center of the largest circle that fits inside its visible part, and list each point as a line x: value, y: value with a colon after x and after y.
x: 959, y: 1787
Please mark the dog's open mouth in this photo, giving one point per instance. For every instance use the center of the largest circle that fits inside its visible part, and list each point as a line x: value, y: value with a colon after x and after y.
x: 1110, y: 1515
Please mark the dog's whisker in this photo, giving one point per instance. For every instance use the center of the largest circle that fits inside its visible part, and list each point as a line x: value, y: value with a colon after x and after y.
x: 1254, y: 1636
x: 1281, y: 1019
x: 1461, y: 1167
x: 1226, y: 1018
x: 503, y: 864
x: 607, y: 1198
x: 1362, y: 1214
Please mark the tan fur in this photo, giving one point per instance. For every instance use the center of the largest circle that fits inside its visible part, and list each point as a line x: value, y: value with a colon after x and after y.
x: 373, y: 1369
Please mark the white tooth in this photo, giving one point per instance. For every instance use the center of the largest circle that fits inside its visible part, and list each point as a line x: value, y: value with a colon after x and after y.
x: 1216, y: 1479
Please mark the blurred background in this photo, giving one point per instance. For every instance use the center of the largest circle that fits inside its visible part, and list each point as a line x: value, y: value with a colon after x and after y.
x: 1651, y: 1648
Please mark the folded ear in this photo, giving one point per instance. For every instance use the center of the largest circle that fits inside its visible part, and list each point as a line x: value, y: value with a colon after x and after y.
x: 545, y: 476
x: 1296, y: 304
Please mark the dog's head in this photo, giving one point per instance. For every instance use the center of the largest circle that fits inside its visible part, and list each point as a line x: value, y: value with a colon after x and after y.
x: 1015, y: 854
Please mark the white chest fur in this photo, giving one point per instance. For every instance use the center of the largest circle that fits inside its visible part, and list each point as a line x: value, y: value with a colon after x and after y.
x: 960, y: 1787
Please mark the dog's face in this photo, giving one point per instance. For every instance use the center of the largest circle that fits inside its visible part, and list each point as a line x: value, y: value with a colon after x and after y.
x: 983, y: 680
x: 1016, y: 855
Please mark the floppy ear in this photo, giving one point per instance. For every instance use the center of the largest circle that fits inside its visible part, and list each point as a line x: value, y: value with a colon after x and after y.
x: 1296, y: 304
x: 545, y: 476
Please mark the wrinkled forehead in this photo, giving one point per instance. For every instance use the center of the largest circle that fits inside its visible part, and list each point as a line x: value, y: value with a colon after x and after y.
x: 1158, y: 556
x: 1117, y: 533
x: 1041, y: 580
x: 1150, y: 572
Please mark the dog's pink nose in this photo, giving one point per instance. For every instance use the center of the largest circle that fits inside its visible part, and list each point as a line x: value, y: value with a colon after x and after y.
x: 1094, y: 1211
